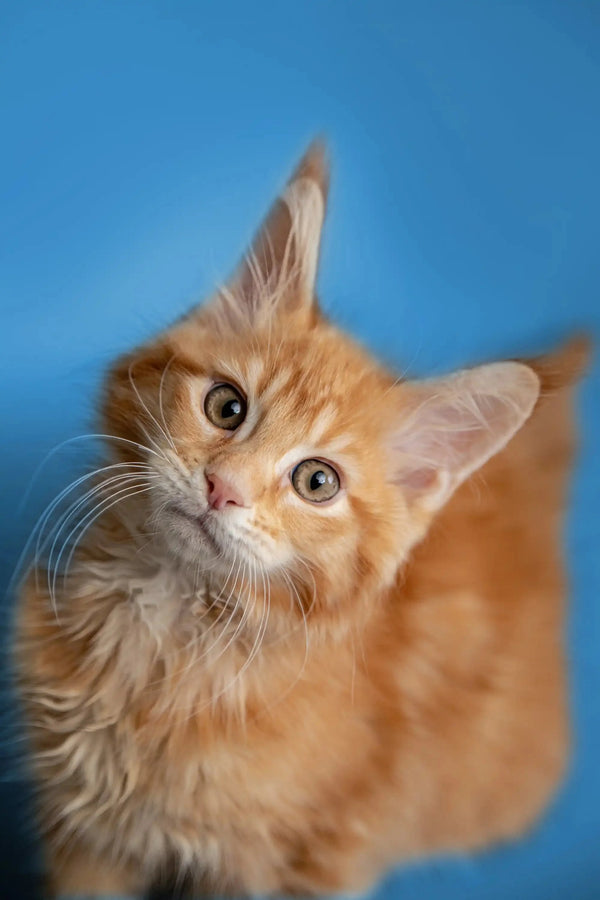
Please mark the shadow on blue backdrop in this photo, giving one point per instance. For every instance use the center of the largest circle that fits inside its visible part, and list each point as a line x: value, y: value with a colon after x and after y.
x: 142, y: 141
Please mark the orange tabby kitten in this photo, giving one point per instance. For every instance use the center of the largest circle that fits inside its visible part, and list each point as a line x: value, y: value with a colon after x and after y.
x: 300, y: 643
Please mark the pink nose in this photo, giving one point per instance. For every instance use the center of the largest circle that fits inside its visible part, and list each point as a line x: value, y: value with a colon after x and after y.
x: 221, y: 493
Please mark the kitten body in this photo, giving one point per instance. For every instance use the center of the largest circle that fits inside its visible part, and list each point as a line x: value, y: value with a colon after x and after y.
x: 243, y: 691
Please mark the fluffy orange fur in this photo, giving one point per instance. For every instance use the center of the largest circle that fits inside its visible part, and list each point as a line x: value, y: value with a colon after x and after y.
x: 283, y: 696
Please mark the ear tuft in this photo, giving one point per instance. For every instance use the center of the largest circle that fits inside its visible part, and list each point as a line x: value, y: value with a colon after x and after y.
x: 277, y: 275
x: 306, y: 206
x: 314, y: 165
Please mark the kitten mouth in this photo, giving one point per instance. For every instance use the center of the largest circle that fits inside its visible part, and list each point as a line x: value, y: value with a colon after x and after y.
x: 201, y: 524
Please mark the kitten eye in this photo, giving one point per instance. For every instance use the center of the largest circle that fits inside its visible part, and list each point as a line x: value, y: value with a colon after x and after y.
x: 315, y: 480
x: 225, y: 407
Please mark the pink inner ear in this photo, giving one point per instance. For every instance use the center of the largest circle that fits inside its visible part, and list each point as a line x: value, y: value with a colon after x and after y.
x: 418, y: 479
x: 451, y: 426
x: 446, y: 434
x: 439, y: 436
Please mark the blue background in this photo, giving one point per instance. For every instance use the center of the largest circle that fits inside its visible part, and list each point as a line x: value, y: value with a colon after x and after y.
x: 142, y: 141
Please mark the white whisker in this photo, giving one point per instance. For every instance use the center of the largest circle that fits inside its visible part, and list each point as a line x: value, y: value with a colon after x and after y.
x: 53, y: 565
x: 160, y: 403
x: 145, y: 407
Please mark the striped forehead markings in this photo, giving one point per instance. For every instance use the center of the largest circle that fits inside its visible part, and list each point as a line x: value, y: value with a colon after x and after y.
x: 276, y: 385
x: 322, y: 423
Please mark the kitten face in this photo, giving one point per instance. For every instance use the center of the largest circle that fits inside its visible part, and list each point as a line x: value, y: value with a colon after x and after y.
x: 279, y: 449
x: 311, y: 398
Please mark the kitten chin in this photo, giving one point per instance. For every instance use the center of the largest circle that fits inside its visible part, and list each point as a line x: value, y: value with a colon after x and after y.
x: 239, y: 678
x: 190, y: 538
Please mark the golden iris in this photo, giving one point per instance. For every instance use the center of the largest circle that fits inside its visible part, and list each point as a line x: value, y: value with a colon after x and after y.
x: 225, y: 407
x: 315, y: 480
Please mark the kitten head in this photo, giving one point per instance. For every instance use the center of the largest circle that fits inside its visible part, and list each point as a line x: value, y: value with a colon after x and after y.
x: 280, y: 451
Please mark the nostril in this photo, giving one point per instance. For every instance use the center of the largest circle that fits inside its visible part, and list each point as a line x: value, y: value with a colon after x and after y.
x: 211, y: 487
x: 221, y: 493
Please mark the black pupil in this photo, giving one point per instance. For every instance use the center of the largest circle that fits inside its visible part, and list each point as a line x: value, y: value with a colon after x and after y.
x: 231, y: 408
x: 317, y: 480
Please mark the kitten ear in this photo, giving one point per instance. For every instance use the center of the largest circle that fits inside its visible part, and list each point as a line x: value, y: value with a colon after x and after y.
x: 449, y: 427
x: 278, y: 272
